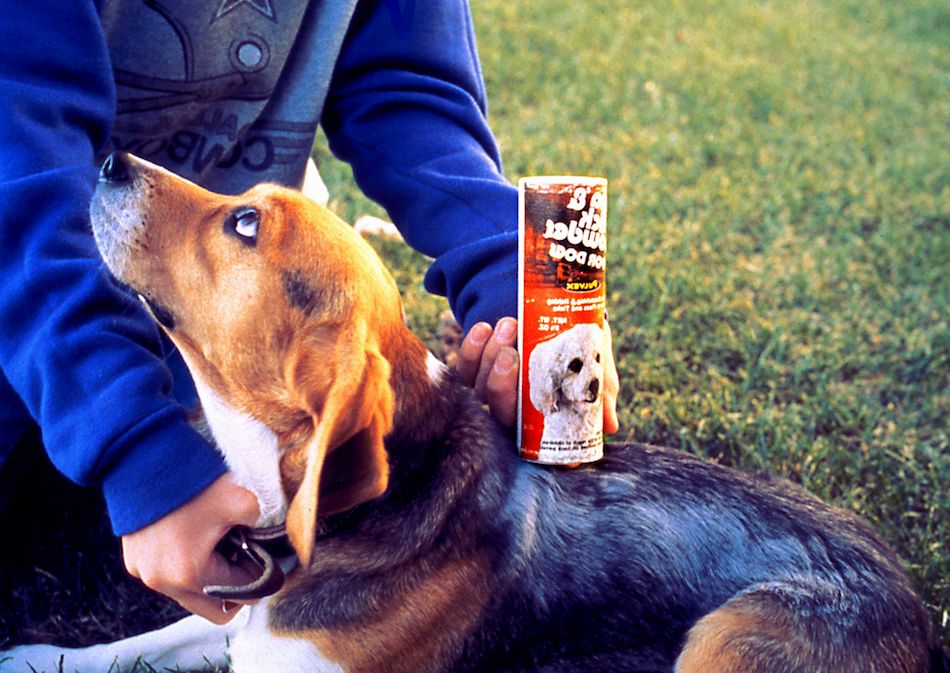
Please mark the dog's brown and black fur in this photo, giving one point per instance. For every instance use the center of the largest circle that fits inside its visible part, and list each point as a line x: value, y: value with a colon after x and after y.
x: 453, y: 554
x: 645, y: 559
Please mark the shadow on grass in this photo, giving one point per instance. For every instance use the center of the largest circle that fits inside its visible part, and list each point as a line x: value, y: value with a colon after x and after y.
x: 61, y: 575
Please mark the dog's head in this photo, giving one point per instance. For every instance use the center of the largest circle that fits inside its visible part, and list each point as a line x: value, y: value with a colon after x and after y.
x: 568, y: 370
x: 282, y: 312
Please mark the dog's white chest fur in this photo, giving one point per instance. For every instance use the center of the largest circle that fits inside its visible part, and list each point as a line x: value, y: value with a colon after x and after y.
x: 250, y: 449
x: 256, y: 649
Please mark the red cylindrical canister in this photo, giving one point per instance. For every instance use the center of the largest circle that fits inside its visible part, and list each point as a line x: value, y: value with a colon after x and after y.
x: 562, y: 303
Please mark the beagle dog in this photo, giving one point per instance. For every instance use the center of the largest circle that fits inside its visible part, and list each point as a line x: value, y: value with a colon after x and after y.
x: 565, y: 374
x: 424, y: 543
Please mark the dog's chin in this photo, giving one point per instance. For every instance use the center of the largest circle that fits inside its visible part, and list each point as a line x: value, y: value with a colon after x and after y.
x: 116, y: 223
x: 111, y: 248
x: 116, y: 264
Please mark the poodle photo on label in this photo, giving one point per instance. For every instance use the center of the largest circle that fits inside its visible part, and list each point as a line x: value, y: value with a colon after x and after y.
x: 565, y: 376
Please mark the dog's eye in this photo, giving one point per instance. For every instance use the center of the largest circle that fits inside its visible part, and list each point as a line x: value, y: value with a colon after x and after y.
x: 243, y: 224
x: 597, y: 357
x: 576, y: 365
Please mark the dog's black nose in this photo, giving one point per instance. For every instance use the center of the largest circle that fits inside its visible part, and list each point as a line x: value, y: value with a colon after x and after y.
x: 114, y: 169
x: 593, y: 389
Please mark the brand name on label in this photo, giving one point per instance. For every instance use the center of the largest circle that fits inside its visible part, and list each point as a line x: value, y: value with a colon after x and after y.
x: 582, y: 241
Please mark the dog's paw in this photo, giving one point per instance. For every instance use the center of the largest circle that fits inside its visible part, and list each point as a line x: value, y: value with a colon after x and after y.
x: 369, y: 226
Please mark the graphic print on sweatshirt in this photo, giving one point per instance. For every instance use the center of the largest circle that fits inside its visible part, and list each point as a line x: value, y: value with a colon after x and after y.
x: 196, y: 83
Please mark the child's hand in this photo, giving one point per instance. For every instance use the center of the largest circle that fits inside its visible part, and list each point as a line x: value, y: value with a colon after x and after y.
x: 176, y: 555
x: 489, y: 362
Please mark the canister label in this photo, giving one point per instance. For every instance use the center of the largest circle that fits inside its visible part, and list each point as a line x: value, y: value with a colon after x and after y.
x: 562, y: 302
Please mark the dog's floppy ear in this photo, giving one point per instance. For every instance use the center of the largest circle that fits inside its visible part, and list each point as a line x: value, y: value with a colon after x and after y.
x: 345, y: 460
x: 544, y: 379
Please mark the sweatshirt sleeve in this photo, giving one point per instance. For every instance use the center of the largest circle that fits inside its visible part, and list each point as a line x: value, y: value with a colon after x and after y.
x: 84, y: 358
x: 407, y: 111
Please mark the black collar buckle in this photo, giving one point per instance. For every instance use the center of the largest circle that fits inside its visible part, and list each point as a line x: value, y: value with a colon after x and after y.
x: 260, y: 546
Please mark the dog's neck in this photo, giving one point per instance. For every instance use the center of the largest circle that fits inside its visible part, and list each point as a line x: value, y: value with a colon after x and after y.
x: 419, y: 382
x: 448, y: 458
x: 250, y: 449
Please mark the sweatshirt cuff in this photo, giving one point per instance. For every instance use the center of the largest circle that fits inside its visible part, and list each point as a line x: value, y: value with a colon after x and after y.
x: 480, y: 279
x: 165, y: 464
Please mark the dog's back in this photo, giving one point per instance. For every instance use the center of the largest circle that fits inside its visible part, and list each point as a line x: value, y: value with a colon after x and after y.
x: 649, y: 558
x: 629, y: 555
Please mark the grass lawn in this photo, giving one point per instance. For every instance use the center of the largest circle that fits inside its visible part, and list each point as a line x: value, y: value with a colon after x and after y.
x: 779, y: 231
x: 778, y: 257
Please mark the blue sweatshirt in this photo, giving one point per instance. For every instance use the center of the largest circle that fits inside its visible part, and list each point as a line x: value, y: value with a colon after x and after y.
x: 228, y: 93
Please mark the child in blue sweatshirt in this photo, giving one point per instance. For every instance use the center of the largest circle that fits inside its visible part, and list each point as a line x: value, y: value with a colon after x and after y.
x: 228, y: 93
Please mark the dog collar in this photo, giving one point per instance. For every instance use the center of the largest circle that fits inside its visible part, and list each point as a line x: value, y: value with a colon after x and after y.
x: 261, y: 546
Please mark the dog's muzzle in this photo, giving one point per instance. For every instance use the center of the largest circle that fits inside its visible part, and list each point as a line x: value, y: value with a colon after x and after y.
x: 593, y: 389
